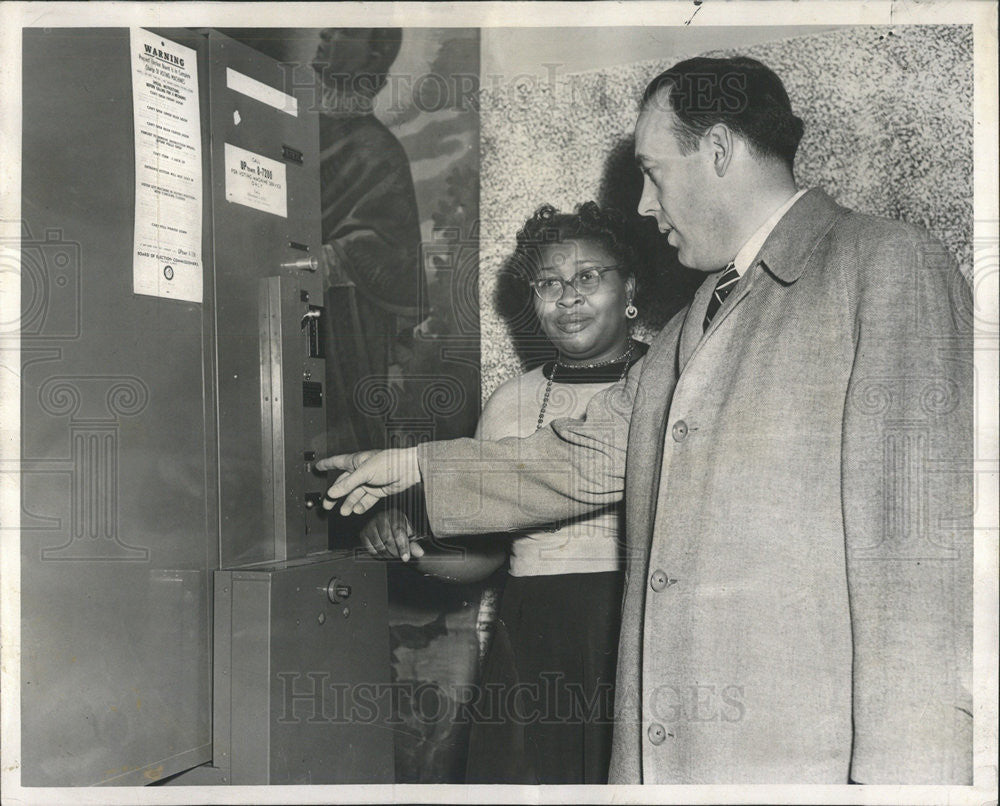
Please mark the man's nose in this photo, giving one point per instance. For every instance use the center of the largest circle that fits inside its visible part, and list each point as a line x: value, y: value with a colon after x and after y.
x: 648, y: 204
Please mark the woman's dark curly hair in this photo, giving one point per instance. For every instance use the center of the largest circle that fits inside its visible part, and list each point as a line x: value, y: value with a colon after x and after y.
x: 605, y: 226
x: 590, y: 222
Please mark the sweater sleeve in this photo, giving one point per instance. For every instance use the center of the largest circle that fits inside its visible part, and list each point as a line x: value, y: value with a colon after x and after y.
x: 568, y: 469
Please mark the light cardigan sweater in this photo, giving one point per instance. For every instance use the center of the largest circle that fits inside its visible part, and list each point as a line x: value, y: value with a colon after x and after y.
x: 588, y: 544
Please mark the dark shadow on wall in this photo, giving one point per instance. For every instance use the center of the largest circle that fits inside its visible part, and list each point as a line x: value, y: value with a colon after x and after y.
x: 664, y: 285
x: 512, y: 298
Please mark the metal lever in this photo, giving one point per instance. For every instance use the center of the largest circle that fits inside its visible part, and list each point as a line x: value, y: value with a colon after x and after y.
x: 301, y: 264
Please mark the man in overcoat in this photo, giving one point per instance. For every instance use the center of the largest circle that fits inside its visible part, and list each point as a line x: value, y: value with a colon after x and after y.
x: 797, y: 475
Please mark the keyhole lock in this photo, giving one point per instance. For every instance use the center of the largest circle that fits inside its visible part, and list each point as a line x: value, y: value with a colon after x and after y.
x: 337, y: 590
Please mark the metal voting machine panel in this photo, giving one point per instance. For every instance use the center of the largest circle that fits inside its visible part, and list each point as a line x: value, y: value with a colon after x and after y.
x: 172, y: 401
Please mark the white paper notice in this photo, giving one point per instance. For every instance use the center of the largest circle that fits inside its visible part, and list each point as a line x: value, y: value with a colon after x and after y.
x: 166, y: 261
x: 256, y: 181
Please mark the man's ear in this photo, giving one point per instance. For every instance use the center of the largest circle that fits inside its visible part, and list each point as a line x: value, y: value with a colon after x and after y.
x: 720, y: 141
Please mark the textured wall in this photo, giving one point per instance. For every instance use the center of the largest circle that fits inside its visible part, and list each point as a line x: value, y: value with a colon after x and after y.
x: 888, y: 116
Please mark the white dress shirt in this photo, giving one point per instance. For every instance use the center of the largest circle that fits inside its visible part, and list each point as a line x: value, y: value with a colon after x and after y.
x: 744, y: 258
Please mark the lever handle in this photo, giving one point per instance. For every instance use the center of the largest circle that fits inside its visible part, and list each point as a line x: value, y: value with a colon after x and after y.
x: 301, y: 264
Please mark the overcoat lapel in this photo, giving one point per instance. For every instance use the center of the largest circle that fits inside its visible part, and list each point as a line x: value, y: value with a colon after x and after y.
x: 784, y: 255
x: 692, y: 330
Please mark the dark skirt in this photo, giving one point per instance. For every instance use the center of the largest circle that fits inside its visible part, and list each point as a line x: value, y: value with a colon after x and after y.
x: 543, y: 713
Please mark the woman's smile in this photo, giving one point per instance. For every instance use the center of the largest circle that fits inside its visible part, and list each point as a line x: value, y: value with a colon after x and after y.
x: 573, y: 322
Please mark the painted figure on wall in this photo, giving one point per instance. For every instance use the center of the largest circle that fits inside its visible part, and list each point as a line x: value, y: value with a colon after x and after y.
x: 374, y: 283
x: 371, y: 227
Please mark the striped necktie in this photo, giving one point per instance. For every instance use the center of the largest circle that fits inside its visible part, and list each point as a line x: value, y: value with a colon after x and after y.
x: 727, y: 282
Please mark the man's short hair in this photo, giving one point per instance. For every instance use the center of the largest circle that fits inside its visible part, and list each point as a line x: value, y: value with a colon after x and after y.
x: 742, y: 93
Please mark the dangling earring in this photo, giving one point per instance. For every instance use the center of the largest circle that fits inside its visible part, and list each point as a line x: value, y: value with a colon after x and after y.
x: 631, y: 312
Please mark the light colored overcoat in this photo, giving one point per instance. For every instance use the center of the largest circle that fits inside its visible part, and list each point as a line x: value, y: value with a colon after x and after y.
x: 798, y: 514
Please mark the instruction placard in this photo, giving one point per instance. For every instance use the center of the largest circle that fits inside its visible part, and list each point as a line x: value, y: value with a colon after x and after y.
x: 256, y: 181
x: 166, y: 259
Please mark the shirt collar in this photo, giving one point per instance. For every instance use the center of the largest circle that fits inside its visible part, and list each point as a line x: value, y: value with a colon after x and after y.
x: 750, y: 249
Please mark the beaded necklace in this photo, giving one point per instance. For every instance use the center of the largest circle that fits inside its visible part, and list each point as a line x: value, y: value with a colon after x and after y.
x: 552, y: 376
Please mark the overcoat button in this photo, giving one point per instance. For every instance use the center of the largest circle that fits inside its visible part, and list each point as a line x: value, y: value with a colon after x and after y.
x: 657, y: 733
x: 658, y: 580
x: 680, y: 431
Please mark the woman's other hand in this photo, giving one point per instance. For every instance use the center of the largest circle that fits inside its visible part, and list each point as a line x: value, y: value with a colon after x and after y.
x: 387, y: 534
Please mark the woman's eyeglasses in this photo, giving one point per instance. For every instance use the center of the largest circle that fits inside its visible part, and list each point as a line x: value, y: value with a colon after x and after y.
x: 585, y: 283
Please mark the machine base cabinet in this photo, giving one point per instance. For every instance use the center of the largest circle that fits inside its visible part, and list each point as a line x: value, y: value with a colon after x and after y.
x: 301, y: 673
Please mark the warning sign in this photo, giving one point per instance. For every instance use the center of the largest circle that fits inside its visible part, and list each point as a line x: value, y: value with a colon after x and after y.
x: 166, y: 260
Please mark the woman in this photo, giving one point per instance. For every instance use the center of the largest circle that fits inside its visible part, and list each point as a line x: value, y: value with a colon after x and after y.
x: 543, y: 713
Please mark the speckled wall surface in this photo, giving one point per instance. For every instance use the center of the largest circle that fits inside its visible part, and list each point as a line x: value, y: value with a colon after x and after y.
x: 888, y: 114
